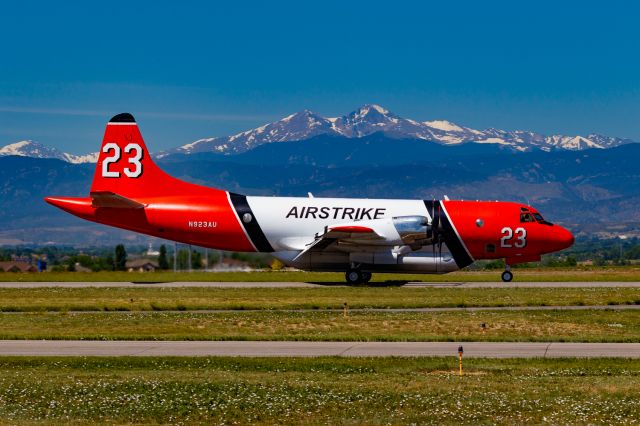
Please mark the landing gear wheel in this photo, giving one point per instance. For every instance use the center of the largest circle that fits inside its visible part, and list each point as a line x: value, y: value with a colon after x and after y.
x: 507, y: 276
x: 354, y: 276
x: 366, y: 277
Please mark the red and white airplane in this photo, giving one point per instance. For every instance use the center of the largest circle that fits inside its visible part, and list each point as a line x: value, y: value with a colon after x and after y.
x: 356, y: 236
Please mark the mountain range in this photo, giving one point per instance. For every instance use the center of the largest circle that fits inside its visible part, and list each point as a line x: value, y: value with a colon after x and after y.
x: 33, y: 149
x: 364, y: 121
x: 370, y: 119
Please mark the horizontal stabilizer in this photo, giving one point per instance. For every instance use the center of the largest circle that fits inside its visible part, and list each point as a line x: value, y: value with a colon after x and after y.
x: 114, y: 201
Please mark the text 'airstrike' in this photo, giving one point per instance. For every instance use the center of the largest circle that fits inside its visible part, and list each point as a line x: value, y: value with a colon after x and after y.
x: 336, y: 213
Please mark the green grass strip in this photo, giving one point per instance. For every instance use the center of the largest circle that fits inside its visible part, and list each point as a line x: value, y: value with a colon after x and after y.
x: 509, y: 326
x: 320, y: 298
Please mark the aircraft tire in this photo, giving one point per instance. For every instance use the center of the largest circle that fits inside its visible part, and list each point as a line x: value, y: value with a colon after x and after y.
x: 507, y: 276
x: 366, y: 277
x: 354, y: 276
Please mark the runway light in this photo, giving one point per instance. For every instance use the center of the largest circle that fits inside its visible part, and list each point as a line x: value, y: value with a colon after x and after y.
x: 345, y: 310
x: 460, y: 352
x: 484, y: 327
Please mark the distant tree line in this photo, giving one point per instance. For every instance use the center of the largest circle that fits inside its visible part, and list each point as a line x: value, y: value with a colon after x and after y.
x: 115, y: 259
x: 611, y: 251
x: 614, y: 251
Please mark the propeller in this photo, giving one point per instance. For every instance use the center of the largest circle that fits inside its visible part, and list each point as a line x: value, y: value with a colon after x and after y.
x: 436, y: 230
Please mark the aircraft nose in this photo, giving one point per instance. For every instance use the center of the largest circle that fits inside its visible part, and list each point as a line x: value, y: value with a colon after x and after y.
x: 562, y: 238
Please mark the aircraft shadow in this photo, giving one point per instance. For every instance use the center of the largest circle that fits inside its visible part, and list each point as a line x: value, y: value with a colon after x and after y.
x: 375, y: 284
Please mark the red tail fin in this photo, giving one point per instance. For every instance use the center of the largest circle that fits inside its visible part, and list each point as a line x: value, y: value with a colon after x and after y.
x: 130, y: 191
x: 125, y: 166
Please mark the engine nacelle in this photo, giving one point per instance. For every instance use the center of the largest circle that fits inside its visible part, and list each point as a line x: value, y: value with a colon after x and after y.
x: 413, y: 230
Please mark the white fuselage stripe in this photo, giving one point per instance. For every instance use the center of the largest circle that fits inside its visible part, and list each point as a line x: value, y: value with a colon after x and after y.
x: 290, y: 223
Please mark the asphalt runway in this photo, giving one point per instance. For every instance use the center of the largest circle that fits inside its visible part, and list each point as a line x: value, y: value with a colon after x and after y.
x: 523, y: 284
x: 315, y: 349
x: 355, y: 310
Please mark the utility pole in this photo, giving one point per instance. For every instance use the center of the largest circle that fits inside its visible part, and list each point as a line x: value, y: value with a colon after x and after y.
x: 620, y: 242
x: 175, y: 256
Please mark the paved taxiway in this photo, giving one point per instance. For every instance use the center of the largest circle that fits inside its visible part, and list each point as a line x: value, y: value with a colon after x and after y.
x: 522, y: 284
x: 314, y: 349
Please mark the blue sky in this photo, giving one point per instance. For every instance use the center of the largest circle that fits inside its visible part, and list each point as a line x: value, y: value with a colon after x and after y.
x: 188, y: 70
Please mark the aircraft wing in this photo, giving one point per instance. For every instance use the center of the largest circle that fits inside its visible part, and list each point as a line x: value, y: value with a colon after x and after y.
x: 346, y: 233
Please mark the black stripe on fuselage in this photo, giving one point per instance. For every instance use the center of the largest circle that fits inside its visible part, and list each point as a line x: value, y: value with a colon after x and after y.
x: 451, y: 239
x: 252, y: 227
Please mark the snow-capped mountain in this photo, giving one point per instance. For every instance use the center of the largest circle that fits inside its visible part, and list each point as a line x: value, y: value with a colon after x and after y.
x: 299, y: 126
x: 79, y: 159
x: 37, y: 150
x: 364, y: 121
x: 370, y: 119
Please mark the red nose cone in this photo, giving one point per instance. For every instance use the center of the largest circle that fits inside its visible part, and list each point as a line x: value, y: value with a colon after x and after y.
x: 563, y: 238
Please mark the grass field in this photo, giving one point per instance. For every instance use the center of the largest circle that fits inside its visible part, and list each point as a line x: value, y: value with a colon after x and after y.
x: 513, y: 326
x: 318, y: 391
x: 524, y: 274
x: 203, y: 298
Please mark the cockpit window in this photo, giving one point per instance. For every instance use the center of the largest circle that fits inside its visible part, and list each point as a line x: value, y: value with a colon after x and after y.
x: 526, y: 217
x: 541, y: 220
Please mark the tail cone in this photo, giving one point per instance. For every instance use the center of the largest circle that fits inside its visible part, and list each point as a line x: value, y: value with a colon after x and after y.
x: 77, y: 206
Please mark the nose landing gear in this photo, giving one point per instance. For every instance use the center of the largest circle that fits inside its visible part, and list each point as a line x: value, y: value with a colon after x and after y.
x: 507, y: 275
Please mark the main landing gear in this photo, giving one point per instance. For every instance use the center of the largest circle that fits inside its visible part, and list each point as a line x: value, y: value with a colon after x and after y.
x: 507, y: 275
x: 356, y: 276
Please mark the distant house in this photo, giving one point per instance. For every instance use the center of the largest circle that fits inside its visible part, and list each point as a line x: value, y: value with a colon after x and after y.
x: 17, y: 266
x: 141, y: 265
